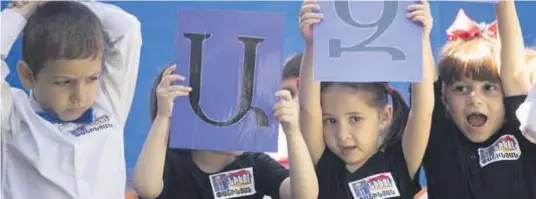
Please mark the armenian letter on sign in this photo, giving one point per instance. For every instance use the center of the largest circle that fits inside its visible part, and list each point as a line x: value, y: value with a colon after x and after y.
x: 233, y: 62
x: 367, y: 41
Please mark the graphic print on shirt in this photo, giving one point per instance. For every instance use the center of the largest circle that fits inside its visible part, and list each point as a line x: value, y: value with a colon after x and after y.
x: 232, y: 184
x: 100, y: 123
x: 504, y: 148
x: 377, y: 186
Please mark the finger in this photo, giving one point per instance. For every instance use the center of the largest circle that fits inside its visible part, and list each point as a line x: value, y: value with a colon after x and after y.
x: 415, y: 7
x: 424, y: 2
x: 420, y: 19
x: 176, y: 94
x: 414, y: 14
x: 166, y: 80
x: 278, y: 114
x: 284, y: 95
x: 308, y: 8
x: 169, y: 70
x: 180, y: 88
x: 311, y: 16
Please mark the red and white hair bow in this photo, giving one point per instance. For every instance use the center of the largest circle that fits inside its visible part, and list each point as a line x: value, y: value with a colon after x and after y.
x: 465, y: 28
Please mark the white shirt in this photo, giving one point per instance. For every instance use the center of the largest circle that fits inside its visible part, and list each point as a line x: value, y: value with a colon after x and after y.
x: 65, y: 161
x: 526, y: 114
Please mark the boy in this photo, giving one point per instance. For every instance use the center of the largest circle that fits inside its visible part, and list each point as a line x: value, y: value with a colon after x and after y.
x: 291, y: 74
x: 80, y: 63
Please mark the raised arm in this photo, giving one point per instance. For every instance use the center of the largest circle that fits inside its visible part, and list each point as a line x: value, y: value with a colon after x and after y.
x: 417, y: 132
x: 302, y: 182
x: 121, y: 58
x: 309, y: 89
x: 12, y: 22
x: 513, y: 77
x: 150, y: 165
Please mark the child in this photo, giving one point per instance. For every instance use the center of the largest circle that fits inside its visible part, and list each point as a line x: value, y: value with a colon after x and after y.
x: 291, y: 73
x: 476, y: 149
x: 80, y: 62
x: 344, y: 122
x: 180, y: 173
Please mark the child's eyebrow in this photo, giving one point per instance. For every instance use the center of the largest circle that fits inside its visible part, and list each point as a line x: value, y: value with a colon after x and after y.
x: 353, y: 113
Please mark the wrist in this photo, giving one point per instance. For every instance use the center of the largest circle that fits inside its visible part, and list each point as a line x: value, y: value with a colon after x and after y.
x: 160, y: 115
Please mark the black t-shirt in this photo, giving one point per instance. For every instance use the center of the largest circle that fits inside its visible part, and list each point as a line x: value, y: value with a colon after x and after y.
x: 249, y: 176
x: 384, y: 175
x: 502, y: 167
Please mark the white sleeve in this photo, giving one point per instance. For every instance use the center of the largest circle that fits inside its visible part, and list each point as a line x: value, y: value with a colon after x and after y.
x: 121, y: 59
x: 11, y: 25
x: 526, y: 114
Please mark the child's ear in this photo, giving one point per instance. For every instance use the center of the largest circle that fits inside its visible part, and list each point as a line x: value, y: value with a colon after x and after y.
x: 25, y: 75
x: 386, y: 115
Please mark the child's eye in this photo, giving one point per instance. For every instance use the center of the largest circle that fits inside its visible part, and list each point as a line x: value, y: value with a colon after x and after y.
x: 62, y: 82
x: 355, y: 119
x: 92, y: 79
x: 461, y: 89
x: 330, y: 121
x: 489, y: 87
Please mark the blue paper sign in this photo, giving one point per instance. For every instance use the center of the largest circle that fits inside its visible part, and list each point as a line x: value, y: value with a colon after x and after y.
x: 367, y: 41
x: 233, y: 62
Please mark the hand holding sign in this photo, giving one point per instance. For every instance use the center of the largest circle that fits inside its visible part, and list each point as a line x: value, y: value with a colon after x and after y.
x: 421, y: 13
x: 166, y: 92
x: 308, y: 17
x: 286, y: 112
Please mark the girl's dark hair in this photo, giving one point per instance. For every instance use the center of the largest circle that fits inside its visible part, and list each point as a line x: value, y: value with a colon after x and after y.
x: 380, y: 98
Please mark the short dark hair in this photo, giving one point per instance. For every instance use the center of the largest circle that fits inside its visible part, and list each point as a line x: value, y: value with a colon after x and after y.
x: 292, y: 66
x: 62, y: 30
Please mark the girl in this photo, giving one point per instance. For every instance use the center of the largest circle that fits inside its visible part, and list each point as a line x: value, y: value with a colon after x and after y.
x: 344, y: 122
x: 476, y: 149
x: 204, y: 174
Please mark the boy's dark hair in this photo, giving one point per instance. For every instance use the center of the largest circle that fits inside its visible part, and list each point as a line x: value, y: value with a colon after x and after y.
x: 62, y: 30
x: 292, y: 66
x: 380, y: 98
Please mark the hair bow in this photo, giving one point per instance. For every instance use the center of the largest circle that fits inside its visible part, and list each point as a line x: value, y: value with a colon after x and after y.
x: 465, y: 28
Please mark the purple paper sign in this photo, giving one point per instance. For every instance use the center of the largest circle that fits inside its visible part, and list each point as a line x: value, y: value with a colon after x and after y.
x: 233, y: 62
x: 367, y: 41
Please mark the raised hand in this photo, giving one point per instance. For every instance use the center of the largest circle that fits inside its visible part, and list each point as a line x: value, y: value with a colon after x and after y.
x: 421, y: 13
x: 309, y: 16
x: 166, y: 92
x: 286, y: 112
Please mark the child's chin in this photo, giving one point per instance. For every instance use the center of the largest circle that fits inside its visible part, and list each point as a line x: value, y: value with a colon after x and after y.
x: 477, y: 136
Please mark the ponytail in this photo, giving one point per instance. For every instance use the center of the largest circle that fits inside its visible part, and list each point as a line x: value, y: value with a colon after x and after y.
x: 398, y: 122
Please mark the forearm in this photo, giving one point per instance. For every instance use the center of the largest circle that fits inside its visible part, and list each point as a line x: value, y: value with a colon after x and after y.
x: 417, y: 132
x: 303, y: 179
x: 150, y: 165
x: 513, y: 65
x: 310, y: 110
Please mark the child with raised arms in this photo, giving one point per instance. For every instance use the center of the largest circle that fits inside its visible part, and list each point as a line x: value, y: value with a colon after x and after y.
x: 168, y: 173
x: 357, y: 141
x: 64, y: 139
x: 476, y: 149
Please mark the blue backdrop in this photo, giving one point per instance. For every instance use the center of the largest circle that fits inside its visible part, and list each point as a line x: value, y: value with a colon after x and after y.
x: 159, y: 25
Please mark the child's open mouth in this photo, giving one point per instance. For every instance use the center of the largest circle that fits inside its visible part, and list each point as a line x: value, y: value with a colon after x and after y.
x: 477, y: 119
